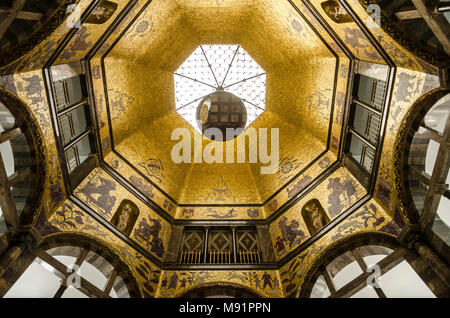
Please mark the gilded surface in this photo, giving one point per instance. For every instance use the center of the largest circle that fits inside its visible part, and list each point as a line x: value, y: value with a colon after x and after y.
x: 336, y: 194
x: 371, y: 217
x: 71, y: 218
x: 103, y: 194
x: 299, y: 101
x: 175, y: 283
x: 141, y: 100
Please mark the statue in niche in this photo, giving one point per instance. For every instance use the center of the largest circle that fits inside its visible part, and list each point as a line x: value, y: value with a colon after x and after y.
x: 336, y: 12
x: 125, y: 216
x: 102, y: 12
x: 314, y: 216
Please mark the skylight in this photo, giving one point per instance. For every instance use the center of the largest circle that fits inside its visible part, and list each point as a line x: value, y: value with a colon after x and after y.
x: 213, y: 68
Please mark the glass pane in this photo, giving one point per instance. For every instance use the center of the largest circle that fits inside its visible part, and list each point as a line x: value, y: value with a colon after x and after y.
x: 78, y: 154
x: 73, y: 293
x: 73, y: 124
x: 373, y: 259
x: 370, y: 90
x: 3, y: 227
x: 93, y: 275
x: 438, y: 114
x: 7, y: 155
x: 35, y: 282
x: 320, y: 289
x: 441, y: 225
x: 430, y: 158
x: 347, y: 274
x: 418, y: 191
x: 366, y: 292
x: 69, y: 91
x: 366, y: 123
x: 22, y: 159
x: 7, y: 120
x: 403, y: 282
x: 363, y: 154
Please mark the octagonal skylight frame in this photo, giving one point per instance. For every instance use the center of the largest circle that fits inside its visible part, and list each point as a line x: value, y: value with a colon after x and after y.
x: 212, y: 68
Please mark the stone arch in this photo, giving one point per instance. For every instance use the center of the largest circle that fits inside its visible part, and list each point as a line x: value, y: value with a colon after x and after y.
x: 64, y: 241
x: 32, y: 144
x: 220, y: 289
x: 338, y: 248
x: 211, y: 289
x: 402, y: 149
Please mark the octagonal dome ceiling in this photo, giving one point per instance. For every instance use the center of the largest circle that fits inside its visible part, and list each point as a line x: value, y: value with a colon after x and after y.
x: 305, y: 73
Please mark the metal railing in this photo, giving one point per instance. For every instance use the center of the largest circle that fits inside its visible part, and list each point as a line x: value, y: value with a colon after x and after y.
x: 220, y: 257
x: 378, y: 95
x: 61, y: 95
x: 249, y: 257
x: 191, y: 257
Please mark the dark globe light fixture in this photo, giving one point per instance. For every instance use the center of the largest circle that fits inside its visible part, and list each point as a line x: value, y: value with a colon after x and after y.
x: 221, y: 110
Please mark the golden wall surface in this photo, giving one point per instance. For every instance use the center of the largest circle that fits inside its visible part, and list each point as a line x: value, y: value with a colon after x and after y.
x: 140, y: 95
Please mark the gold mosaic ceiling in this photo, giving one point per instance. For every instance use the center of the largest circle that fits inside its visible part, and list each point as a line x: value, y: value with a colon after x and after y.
x: 303, y: 72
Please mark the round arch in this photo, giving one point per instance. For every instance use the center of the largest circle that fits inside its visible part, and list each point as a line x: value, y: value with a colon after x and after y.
x: 220, y: 290
x: 14, y: 109
x: 338, y: 248
x: 409, y: 125
x: 60, y: 243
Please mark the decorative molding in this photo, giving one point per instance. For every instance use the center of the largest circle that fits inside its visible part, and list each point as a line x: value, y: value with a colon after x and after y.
x: 35, y: 138
x: 408, y: 127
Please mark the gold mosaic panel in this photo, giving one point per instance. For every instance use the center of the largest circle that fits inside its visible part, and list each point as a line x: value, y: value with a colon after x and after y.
x: 176, y: 283
x: 370, y: 217
x: 70, y: 218
x: 85, y: 38
x: 409, y: 87
x: 336, y: 194
x: 31, y: 89
x: 104, y: 195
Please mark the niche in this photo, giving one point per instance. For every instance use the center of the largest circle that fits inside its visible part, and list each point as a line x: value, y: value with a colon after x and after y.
x: 102, y: 12
x: 125, y: 216
x: 336, y: 12
x: 314, y: 216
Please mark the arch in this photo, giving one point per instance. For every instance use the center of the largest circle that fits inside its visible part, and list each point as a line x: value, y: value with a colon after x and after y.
x: 213, y: 290
x: 338, y: 248
x: 409, y: 125
x: 33, y: 139
x: 57, y: 244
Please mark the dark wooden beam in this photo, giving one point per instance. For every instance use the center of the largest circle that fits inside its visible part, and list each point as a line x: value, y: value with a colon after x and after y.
x: 6, y: 198
x: 19, y: 175
x: 110, y: 283
x: 408, y: 15
x: 86, y: 287
x: 12, y: 14
x: 434, y: 187
x: 437, y: 23
x: 329, y: 281
x: 360, y: 282
x: 9, y: 134
x: 25, y: 15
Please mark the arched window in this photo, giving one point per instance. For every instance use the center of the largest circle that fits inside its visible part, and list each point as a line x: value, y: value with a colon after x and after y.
x: 427, y: 169
x: 69, y: 272
x: 20, y: 168
x: 370, y: 265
